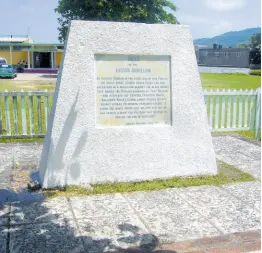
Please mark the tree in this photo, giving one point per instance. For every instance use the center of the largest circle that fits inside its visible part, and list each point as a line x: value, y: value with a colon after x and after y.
x: 140, y: 11
x: 255, y: 46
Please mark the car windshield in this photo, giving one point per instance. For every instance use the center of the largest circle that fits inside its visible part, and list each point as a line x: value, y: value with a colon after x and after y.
x: 2, y: 61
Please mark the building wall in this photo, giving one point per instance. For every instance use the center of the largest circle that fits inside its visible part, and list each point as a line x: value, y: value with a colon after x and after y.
x: 231, y: 58
x: 6, y: 55
x: 59, y: 56
x: 16, y: 56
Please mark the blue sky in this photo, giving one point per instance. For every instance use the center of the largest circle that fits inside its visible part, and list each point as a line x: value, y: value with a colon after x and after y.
x: 207, y: 18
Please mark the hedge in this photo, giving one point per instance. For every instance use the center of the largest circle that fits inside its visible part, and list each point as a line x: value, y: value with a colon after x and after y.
x: 256, y: 72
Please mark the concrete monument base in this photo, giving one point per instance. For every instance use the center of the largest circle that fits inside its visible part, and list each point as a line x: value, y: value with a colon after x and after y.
x: 128, y: 106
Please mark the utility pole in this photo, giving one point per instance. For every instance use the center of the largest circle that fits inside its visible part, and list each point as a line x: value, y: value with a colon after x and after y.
x: 28, y: 30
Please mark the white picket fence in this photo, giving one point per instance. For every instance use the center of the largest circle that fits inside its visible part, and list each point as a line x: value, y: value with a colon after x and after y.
x: 25, y: 114
x: 234, y: 110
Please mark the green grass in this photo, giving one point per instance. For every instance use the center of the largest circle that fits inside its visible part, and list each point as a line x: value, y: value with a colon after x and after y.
x: 10, y: 85
x: 227, y: 174
x: 250, y: 134
x: 229, y: 81
x: 20, y: 140
x: 209, y: 80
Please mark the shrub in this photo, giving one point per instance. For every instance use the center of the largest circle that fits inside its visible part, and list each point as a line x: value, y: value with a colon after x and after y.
x: 256, y: 72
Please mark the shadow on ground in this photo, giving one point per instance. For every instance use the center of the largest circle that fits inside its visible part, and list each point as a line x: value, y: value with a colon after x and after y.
x: 34, y: 227
x: 49, y: 76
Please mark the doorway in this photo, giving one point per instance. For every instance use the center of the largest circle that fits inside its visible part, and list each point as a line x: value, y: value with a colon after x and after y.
x: 42, y: 60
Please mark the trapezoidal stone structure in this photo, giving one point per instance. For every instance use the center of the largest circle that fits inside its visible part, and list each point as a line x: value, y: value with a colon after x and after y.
x: 128, y: 106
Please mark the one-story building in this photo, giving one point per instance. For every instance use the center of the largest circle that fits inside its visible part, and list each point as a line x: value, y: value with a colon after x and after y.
x: 223, y: 57
x: 36, y: 57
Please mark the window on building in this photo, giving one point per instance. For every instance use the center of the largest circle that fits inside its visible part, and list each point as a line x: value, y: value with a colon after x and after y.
x: 204, y: 53
x: 216, y: 54
x: 20, y: 48
x: 238, y: 54
x: 226, y: 54
x: 4, y: 48
x: 60, y: 47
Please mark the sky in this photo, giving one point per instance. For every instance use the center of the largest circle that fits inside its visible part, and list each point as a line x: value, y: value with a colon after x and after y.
x: 207, y: 18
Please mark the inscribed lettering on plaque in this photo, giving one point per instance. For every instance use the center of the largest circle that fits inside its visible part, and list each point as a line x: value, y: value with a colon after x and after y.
x: 133, y: 90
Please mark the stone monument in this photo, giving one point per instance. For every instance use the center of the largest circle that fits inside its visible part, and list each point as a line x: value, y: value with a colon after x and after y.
x: 128, y: 106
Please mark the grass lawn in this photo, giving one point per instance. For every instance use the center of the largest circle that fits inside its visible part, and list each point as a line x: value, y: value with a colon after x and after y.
x: 226, y: 174
x: 10, y: 85
x: 209, y: 81
x: 230, y: 81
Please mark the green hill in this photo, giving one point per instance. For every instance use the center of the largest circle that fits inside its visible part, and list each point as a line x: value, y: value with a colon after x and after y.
x: 232, y: 38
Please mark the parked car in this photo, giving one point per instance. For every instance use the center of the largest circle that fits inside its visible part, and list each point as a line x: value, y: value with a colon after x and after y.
x: 7, y: 70
x: 3, y: 61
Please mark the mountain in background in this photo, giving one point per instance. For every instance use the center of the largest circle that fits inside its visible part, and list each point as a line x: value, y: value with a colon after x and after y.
x: 229, y: 39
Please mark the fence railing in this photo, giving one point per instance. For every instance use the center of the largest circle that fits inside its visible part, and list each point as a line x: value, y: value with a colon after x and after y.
x: 25, y: 114
x: 233, y: 110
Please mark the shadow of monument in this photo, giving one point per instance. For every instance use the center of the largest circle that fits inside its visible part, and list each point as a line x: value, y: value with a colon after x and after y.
x: 33, y: 227
x: 56, y: 154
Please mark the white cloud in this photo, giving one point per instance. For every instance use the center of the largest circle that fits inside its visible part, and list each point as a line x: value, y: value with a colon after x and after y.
x: 191, y: 19
x: 225, y: 5
x: 222, y: 27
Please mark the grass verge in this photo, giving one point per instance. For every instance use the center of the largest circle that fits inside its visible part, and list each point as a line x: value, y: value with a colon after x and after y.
x: 26, y: 85
x: 226, y: 174
x: 249, y: 134
x: 19, y: 140
x: 229, y: 81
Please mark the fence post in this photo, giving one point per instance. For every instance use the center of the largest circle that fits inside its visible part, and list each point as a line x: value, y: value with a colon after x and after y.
x: 1, y: 124
x: 258, y: 113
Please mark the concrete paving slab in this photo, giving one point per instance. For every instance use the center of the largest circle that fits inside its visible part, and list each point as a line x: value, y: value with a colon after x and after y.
x: 201, y: 196
x: 53, y: 210
x: 158, y: 200
x: 3, y: 239
x: 46, y: 238
x: 226, y: 144
x: 247, y: 192
x: 239, y: 153
x: 28, y: 153
x: 100, y: 206
x: 231, y: 219
x: 253, y: 168
x: 125, y: 231
x: 226, y: 212
x: 169, y: 217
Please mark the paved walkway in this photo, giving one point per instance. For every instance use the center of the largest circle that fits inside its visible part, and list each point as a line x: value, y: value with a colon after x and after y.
x: 34, y: 77
x: 195, y: 219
